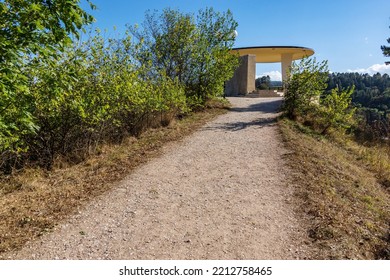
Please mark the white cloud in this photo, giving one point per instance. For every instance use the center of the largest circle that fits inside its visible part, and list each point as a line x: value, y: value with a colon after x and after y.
x: 274, y: 75
x: 381, y: 68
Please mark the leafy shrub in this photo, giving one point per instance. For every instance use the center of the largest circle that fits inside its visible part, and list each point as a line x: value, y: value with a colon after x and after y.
x: 303, y: 89
x: 305, y: 99
x: 62, y: 98
x: 196, y: 52
x: 335, y: 110
x: 94, y: 93
x: 31, y: 31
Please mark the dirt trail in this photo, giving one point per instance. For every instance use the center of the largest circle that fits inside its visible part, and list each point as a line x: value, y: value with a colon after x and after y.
x: 221, y: 193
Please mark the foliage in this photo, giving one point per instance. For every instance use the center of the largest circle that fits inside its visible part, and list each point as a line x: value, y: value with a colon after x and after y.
x: 336, y: 111
x: 62, y: 98
x: 303, y: 89
x: 38, y: 26
x: 193, y: 51
x: 263, y: 82
x: 305, y: 99
x: 165, y: 43
x: 30, y: 31
x: 371, y: 97
x: 367, y: 87
x: 93, y: 93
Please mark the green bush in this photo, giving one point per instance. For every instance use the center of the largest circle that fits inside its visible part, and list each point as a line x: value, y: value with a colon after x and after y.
x: 62, y: 98
x: 30, y: 32
x: 335, y: 110
x: 94, y: 93
x: 306, y: 102
x: 308, y: 80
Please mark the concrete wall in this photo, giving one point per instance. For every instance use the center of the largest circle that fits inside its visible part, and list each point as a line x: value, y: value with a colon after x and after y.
x: 243, y: 81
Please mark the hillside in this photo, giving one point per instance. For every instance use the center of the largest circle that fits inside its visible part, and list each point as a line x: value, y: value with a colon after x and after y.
x: 341, y: 193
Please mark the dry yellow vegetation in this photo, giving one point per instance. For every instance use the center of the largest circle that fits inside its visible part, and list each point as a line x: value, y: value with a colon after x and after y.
x: 342, y: 193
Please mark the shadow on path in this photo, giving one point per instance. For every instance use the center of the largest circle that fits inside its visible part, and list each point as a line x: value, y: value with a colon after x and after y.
x: 263, y: 107
x: 236, y: 126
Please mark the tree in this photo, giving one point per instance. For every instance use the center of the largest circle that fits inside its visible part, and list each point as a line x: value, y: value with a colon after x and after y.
x: 38, y: 27
x: 335, y: 110
x: 308, y: 80
x: 30, y: 31
x: 386, y: 50
x: 307, y: 100
x: 213, y: 63
x: 165, y: 43
x: 263, y: 82
x: 196, y: 52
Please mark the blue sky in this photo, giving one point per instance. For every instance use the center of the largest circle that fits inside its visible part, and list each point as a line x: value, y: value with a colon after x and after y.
x: 347, y: 33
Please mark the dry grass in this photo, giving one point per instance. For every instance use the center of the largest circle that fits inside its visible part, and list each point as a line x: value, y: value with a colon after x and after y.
x: 33, y: 201
x: 376, y: 157
x: 339, y: 195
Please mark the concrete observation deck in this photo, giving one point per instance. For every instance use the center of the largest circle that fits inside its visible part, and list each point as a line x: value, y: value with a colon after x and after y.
x: 243, y: 81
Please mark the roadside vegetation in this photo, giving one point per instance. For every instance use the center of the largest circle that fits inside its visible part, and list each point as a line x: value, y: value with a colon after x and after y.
x: 61, y: 97
x: 77, y: 115
x: 341, y: 183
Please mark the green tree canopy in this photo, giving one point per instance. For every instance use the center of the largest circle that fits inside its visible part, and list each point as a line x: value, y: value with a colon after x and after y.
x: 196, y: 51
x: 30, y: 32
x: 37, y: 26
x: 263, y: 82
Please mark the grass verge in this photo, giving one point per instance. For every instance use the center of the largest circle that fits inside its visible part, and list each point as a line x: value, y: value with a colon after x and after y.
x: 34, y: 201
x: 340, y: 195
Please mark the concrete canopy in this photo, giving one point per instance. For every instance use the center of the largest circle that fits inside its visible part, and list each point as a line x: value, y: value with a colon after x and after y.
x: 243, y: 80
x: 271, y: 54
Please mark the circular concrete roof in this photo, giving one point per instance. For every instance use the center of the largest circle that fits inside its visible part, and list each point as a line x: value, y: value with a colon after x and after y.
x: 274, y: 53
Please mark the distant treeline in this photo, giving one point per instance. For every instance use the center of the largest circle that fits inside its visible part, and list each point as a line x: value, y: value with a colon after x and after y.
x: 372, y: 98
x: 265, y: 82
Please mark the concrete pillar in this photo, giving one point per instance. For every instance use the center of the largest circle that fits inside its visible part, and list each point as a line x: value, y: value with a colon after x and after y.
x: 243, y: 81
x: 286, y: 63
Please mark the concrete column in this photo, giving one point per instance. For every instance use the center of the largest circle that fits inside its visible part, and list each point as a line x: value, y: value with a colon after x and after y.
x: 243, y: 81
x: 286, y: 63
x: 251, y: 74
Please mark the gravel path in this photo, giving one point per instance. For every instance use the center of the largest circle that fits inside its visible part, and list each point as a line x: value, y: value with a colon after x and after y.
x: 221, y: 193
